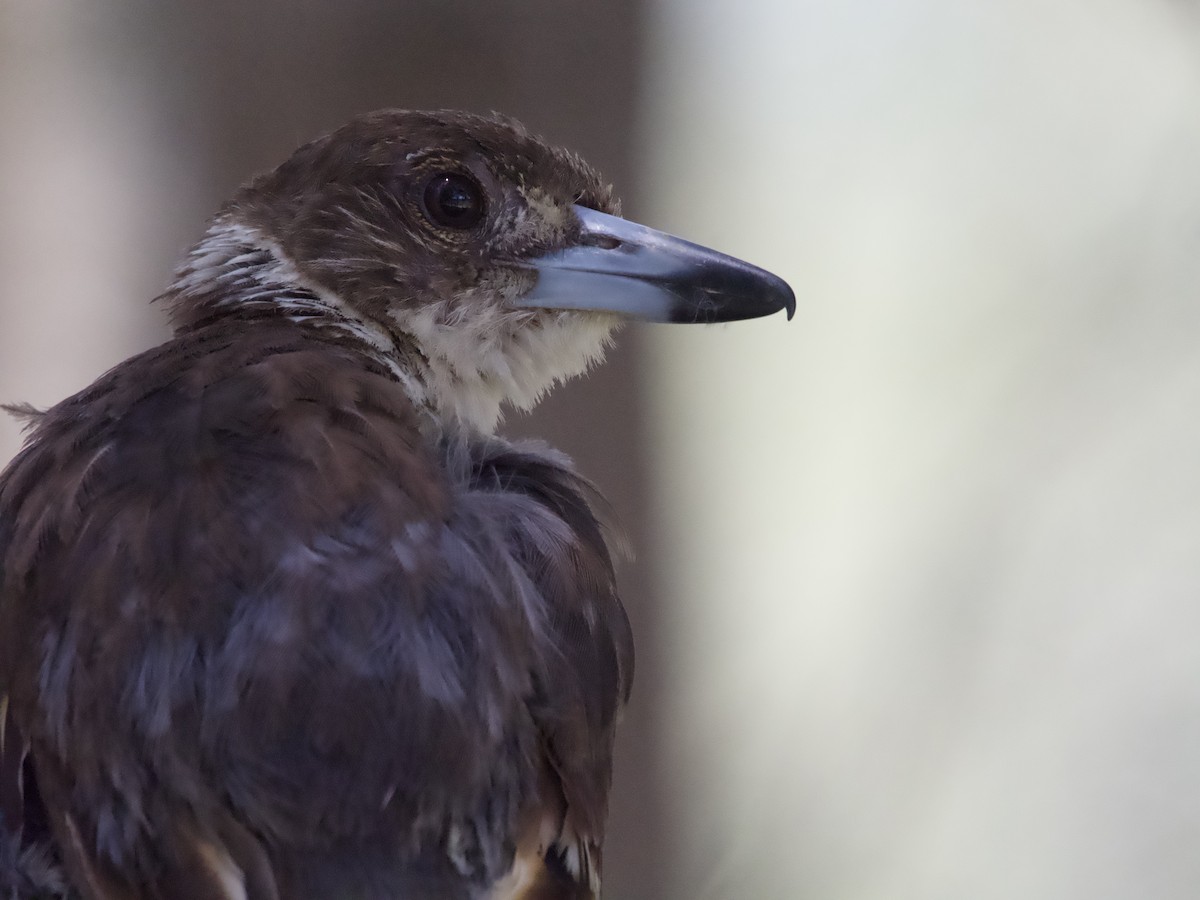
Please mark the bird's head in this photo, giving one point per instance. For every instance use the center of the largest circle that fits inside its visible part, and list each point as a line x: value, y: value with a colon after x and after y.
x: 481, y: 264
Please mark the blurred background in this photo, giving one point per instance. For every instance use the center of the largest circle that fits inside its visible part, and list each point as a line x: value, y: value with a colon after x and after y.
x: 917, y: 589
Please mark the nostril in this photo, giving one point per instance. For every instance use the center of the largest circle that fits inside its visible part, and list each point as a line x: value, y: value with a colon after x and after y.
x: 603, y: 241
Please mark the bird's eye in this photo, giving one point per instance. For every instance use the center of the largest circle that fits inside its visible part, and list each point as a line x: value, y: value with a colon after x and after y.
x: 453, y: 200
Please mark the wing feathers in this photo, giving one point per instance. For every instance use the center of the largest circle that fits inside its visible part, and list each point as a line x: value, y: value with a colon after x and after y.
x: 299, y: 639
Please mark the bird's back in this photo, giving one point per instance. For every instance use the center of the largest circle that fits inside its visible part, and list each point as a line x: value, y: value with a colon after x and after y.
x: 263, y: 632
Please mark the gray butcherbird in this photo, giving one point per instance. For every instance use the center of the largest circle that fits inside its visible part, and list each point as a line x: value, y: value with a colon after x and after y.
x: 279, y: 616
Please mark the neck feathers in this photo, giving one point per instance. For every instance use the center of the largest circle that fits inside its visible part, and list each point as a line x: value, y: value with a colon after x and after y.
x: 237, y: 271
x: 460, y: 360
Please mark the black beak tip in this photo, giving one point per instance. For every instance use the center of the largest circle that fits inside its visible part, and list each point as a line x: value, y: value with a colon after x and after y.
x: 741, y: 291
x: 781, y: 295
x: 789, y: 299
x: 754, y: 294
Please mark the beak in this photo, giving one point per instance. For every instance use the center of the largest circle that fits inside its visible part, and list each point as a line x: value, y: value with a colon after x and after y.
x: 621, y: 267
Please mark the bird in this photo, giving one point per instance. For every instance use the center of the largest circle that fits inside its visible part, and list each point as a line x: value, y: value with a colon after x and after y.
x: 281, y: 615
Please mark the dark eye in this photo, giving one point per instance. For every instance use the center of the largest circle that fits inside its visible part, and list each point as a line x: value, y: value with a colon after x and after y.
x: 453, y: 200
